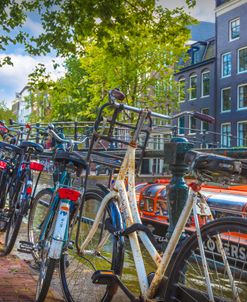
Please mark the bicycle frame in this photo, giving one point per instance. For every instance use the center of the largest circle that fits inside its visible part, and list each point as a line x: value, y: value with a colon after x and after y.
x: 62, y: 207
x: 128, y: 206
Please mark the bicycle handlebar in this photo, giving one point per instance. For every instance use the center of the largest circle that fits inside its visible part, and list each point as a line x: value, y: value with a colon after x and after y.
x: 116, y: 94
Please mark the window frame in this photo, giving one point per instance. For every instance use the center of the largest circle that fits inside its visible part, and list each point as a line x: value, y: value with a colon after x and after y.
x: 181, y: 134
x: 221, y: 99
x: 191, y: 132
x: 230, y: 29
x: 193, y: 76
x: 238, y: 60
x: 238, y: 139
x: 179, y: 91
x: 238, y: 88
x: 222, y: 69
x: 221, y: 136
x: 202, y: 130
x: 202, y: 86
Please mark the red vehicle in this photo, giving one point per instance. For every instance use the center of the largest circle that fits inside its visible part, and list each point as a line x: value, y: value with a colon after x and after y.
x: 152, y: 204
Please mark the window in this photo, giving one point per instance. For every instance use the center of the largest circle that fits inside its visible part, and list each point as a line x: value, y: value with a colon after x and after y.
x: 226, y: 135
x: 157, y: 142
x: 192, y: 125
x: 226, y: 99
x: 234, y: 29
x: 193, y: 87
x: 242, y: 96
x: 226, y: 64
x: 181, y: 90
x: 242, y: 60
x: 181, y: 124
x: 205, y: 83
x: 205, y: 125
x: 242, y: 133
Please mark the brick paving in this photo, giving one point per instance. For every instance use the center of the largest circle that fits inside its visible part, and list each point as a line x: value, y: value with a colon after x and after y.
x: 18, y: 281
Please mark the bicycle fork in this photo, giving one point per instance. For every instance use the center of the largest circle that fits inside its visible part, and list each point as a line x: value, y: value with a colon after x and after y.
x: 60, y: 233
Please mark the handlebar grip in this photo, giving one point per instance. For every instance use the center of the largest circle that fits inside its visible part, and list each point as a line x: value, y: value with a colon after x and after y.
x: 117, y: 94
x: 204, y: 117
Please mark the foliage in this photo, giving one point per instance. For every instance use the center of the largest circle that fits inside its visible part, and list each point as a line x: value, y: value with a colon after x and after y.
x: 5, y: 113
x: 139, y: 59
x: 133, y: 45
x: 67, y: 24
x: 66, y: 96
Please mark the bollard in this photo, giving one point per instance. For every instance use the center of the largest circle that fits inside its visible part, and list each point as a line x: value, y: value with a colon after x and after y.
x: 177, y: 190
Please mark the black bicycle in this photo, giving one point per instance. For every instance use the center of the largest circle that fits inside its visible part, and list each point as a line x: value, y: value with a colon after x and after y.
x: 17, y: 186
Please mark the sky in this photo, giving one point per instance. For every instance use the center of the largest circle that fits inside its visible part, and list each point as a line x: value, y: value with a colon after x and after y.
x: 14, y: 78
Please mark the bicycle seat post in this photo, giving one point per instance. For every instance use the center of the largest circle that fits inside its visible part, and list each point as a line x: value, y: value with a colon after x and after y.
x: 177, y: 190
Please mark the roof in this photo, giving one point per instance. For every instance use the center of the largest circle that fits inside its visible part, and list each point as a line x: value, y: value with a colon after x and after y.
x: 200, y: 53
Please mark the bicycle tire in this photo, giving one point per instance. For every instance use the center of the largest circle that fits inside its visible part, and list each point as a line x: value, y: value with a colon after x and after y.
x: 76, y: 274
x: 41, y: 295
x: 187, y: 281
x: 16, y: 216
x: 38, y: 211
x: 3, y: 189
x: 47, y: 264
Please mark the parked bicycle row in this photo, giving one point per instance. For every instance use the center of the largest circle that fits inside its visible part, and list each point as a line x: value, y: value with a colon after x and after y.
x: 84, y: 232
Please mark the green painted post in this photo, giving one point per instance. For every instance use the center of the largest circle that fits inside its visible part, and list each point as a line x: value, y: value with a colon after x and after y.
x: 177, y: 190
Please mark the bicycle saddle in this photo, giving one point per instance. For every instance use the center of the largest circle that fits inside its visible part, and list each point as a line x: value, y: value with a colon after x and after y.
x: 212, y: 167
x: 73, y: 157
x: 10, y: 147
x: 31, y: 147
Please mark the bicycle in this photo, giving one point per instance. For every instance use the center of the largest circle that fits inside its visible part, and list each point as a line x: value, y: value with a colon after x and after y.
x: 17, y: 185
x: 171, y: 280
x: 52, y: 235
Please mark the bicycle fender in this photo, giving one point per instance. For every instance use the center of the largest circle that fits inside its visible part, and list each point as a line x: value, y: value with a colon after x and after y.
x: 103, y: 188
x: 61, y: 227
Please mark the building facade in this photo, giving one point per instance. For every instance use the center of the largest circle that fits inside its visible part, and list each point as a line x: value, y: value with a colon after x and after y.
x: 197, y: 92
x: 215, y: 79
x: 231, y: 37
x: 19, y: 106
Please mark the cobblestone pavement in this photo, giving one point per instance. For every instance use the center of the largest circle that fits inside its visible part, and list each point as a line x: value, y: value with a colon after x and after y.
x: 18, y: 281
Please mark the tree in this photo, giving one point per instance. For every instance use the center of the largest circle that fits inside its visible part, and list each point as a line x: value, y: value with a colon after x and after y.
x: 139, y: 60
x: 66, y: 96
x: 67, y: 24
x: 5, y: 113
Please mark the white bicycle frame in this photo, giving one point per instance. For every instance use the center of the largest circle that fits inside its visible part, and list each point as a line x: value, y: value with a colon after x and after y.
x: 128, y: 206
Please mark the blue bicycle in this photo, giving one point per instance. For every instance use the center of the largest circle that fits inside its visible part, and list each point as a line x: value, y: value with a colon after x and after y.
x: 50, y: 233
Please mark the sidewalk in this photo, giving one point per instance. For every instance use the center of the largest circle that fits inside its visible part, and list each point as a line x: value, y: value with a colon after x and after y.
x: 18, y: 281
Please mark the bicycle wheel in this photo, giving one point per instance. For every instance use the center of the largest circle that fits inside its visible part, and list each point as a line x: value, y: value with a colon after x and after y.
x: 18, y: 209
x: 47, y: 265
x: 38, y: 211
x: 76, y: 270
x: 3, y: 188
x: 187, y: 281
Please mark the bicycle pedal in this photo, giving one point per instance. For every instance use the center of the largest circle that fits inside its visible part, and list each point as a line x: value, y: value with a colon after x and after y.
x: 26, y: 245
x: 26, y: 251
x: 104, y: 277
